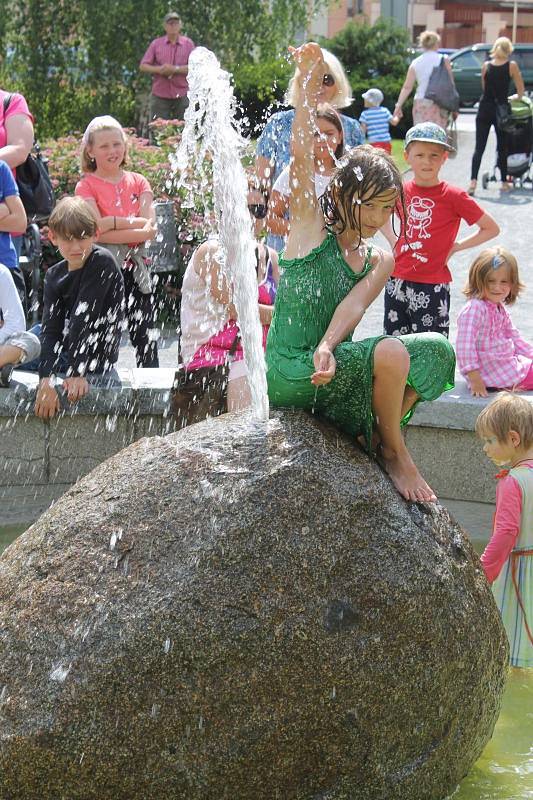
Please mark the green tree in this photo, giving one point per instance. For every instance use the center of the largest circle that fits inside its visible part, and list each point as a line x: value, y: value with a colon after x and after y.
x: 375, y: 55
x: 74, y: 59
x: 368, y: 51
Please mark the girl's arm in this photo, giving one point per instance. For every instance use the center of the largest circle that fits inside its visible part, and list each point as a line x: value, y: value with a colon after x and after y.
x: 483, y: 74
x: 146, y: 206
x: 265, y: 314
x: 516, y: 75
x: 277, y: 208
x: 407, y: 88
x: 307, y: 229
x: 209, y: 269
x: 521, y: 347
x: 121, y: 230
x: 349, y: 314
x: 15, y: 221
x: 488, y: 228
x: 264, y: 169
x: 506, y: 527
x: 469, y: 325
x: 275, y: 264
x: 19, y: 140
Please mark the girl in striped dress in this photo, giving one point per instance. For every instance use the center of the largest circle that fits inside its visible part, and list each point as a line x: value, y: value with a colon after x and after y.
x: 506, y: 427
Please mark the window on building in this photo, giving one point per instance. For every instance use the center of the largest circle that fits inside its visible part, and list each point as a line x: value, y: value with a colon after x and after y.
x: 354, y: 7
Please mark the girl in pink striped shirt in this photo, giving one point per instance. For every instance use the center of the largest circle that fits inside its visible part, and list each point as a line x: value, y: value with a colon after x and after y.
x: 491, y: 353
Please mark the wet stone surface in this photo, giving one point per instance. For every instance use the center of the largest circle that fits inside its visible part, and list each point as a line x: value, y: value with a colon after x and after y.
x: 244, y: 611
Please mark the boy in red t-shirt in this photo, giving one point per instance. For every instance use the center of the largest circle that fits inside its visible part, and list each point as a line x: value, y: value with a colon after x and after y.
x: 417, y: 295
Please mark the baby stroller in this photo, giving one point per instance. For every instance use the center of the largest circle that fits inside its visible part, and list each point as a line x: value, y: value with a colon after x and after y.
x: 519, y: 134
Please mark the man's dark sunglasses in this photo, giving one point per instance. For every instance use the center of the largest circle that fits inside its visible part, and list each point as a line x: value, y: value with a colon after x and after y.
x: 328, y: 80
x: 257, y: 210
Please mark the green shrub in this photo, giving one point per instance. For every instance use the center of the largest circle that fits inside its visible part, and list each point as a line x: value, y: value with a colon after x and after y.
x: 259, y: 88
x: 368, y: 51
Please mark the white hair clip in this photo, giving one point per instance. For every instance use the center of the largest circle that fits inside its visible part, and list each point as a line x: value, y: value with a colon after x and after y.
x: 497, y: 261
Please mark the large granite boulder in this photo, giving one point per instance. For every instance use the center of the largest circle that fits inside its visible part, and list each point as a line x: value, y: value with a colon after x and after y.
x: 244, y: 611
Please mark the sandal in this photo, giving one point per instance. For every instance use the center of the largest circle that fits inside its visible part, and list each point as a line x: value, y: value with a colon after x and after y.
x: 472, y: 188
x: 506, y: 187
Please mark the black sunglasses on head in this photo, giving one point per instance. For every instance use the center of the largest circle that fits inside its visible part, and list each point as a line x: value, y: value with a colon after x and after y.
x: 257, y: 210
x: 328, y: 80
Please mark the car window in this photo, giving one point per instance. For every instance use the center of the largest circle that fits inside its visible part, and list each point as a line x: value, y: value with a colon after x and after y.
x: 468, y: 60
x: 524, y: 59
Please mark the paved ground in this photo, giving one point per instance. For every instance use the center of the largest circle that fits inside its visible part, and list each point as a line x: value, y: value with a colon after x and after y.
x: 513, y: 212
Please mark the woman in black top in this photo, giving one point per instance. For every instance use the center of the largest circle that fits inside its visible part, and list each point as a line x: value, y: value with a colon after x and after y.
x: 496, y: 76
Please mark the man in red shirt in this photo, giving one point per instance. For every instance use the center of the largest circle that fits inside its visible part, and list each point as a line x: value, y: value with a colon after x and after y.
x: 417, y: 295
x: 167, y: 60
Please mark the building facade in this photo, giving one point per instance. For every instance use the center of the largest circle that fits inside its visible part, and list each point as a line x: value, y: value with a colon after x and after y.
x: 459, y: 22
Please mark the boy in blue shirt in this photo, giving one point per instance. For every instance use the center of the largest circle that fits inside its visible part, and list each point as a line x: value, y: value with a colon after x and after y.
x: 12, y: 218
x: 375, y: 120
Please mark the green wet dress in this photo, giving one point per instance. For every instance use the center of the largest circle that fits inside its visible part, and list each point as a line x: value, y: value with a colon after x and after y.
x: 309, y: 291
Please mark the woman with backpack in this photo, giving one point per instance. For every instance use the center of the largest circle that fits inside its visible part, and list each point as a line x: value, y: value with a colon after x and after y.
x: 16, y: 142
x: 496, y: 76
x: 419, y: 73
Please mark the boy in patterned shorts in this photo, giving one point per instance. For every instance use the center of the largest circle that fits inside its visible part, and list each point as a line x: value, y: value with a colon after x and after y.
x: 417, y: 295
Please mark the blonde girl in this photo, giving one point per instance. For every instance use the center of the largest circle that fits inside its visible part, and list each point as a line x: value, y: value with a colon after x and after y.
x: 496, y: 77
x: 491, y: 353
x: 122, y: 203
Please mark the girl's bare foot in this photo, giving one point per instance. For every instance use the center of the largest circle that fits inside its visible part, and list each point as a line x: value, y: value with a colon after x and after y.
x: 506, y: 187
x: 405, y: 476
x: 472, y: 188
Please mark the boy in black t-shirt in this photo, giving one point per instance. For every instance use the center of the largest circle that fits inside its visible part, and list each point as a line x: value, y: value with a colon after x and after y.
x: 83, y: 310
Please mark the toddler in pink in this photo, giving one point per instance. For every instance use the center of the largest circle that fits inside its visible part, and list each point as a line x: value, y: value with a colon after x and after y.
x: 506, y: 428
x: 491, y: 353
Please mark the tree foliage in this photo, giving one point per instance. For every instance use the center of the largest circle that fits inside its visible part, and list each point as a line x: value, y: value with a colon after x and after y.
x: 74, y: 59
x: 369, y: 51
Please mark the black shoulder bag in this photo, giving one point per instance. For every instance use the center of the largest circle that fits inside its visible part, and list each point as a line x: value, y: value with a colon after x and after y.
x: 33, y: 182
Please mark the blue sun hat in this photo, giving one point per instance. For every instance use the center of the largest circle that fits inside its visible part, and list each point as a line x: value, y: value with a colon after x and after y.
x: 427, y: 132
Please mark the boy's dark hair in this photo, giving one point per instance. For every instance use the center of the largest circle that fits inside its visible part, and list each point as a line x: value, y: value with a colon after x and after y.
x: 365, y: 173
x: 72, y: 218
x: 327, y: 112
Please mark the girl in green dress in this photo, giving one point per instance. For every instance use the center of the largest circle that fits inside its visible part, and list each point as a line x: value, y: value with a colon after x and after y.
x: 329, y: 277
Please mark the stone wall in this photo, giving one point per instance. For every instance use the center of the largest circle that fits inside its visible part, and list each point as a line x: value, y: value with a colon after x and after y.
x: 40, y: 460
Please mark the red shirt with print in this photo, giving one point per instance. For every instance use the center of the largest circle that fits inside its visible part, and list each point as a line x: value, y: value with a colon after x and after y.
x: 434, y: 214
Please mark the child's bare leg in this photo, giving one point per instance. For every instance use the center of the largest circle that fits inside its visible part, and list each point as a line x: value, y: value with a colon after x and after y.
x: 10, y: 354
x: 409, y: 399
x: 389, y: 399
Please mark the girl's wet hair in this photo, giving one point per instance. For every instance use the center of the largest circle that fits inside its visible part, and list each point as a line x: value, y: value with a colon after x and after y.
x: 72, y: 218
x: 364, y: 173
x: 105, y: 123
x: 482, y: 268
x: 507, y: 412
x: 327, y: 112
